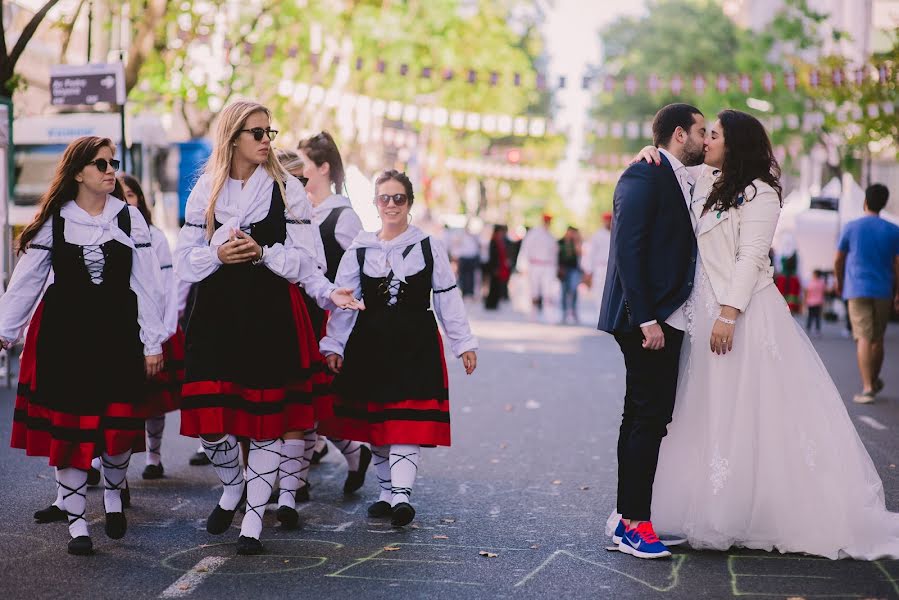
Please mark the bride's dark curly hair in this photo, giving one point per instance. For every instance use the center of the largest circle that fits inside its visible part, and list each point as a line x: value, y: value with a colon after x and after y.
x: 747, y: 156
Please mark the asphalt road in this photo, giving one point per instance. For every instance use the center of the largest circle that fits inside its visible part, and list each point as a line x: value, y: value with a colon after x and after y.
x: 530, y: 478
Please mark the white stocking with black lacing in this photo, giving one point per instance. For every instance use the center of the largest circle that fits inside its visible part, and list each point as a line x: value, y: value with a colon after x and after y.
x: 289, y: 471
x: 155, y: 427
x: 115, y: 468
x: 381, y: 459
x: 351, y: 452
x: 225, y: 457
x: 404, y: 460
x: 262, y: 469
x: 73, y: 483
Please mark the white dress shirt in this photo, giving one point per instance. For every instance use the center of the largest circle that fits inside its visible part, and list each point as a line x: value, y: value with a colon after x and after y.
x: 678, y: 319
x: 30, y: 276
x: 300, y: 259
x: 380, y: 258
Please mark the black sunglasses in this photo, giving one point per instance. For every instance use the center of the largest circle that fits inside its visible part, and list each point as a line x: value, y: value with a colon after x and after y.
x: 398, y: 199
x: 102, y: 164
x: 258, y: 132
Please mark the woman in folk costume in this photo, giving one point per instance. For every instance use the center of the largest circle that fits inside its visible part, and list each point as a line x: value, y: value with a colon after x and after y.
x: 106, y: 298
x: 338, y: 225
x: 164, y: 393
x: 391, y: 387
x: 250, y: 347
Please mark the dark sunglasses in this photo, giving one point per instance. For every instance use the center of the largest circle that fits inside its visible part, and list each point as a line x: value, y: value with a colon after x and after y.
x: 258, y: 132
x: 398, y: 199
x: 102, y: 164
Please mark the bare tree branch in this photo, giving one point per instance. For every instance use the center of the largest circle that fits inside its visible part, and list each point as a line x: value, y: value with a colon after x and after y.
x: 68, y: 30
x: 144, y: 40
x: 28, y: 33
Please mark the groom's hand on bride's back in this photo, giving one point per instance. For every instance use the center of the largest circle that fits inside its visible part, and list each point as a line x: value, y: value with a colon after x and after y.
x: 653, y: 336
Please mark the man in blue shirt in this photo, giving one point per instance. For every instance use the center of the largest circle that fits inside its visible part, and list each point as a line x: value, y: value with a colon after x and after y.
x: 867, y: 270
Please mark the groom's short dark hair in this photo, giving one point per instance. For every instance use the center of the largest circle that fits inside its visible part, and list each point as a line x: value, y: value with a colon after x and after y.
x: 670, y: 118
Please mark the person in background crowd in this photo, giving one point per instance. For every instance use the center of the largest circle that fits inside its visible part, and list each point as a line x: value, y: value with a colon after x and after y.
x: 497, y: 268
x: 570, y: 274
x: 867, y: 271
x: 596, y: 257
x: 814, y: 301
x: 538, y: 257
x: 466, y: 249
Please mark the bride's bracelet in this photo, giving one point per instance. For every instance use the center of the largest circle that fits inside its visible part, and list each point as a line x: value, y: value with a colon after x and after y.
x: 726, y: 320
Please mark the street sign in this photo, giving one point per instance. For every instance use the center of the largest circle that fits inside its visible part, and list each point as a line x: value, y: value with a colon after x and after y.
x: 80, y: 85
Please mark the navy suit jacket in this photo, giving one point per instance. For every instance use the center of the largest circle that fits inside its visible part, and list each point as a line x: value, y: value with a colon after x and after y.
x: 652, y: 257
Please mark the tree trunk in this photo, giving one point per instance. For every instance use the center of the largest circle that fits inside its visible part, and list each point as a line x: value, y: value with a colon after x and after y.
x: 8, y: 60
x: 144, y: 40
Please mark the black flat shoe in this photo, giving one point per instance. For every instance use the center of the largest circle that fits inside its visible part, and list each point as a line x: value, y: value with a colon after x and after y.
x: 303, y: 494
x: 318, y: 456
x: 51, y: 514
x: 220, y: 520
x: 355, y: 479
x: 81, y: 546
x: 116, y: 525
x: 153, y: 472
x: 380, y: 510
x: 93, y: 477
x: 199, y: 459
x: 126, y: 496
x: 288, y: 517
x: 403, y: 513
x: 247, y: 546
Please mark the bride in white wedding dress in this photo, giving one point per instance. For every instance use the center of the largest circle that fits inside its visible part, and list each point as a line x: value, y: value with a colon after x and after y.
x: 761, y: 452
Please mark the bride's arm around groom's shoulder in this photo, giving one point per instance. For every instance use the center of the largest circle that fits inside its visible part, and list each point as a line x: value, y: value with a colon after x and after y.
x: 758, y: 216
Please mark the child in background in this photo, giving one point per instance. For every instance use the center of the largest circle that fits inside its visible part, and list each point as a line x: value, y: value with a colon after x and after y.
x: 814, y: 301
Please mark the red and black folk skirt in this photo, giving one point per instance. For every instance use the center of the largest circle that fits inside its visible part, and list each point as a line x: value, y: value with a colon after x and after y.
x: 164, y: 390
x: 251, y: 357
x: 81, y: 385
x: 393, y: 387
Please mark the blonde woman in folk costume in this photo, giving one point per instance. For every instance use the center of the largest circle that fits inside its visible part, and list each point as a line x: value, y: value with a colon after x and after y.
x: 250, y: 348
x: 71, y: 405
x: 391, y: 387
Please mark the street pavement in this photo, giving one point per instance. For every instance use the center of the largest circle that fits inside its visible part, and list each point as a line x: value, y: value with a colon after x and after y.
x: 514, y: 509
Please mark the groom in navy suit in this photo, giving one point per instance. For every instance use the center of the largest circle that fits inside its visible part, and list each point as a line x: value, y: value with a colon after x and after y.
x: 650, y: 275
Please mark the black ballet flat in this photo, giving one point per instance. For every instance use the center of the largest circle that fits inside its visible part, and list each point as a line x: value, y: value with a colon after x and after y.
x: 403, y: 513
x: 302, y: 494
x: 199, y: 459
x: 93, y: 477
x: 116, y: 525
x: 220, y: 520
x: 380, y: 510
x: 153, y: 472
x: 81, y: 546
x: 288, y: 517
x: 51, y: 514
x: 355, y: 479
x: 318, y: 456
x: 126, y: 496
x: 247, y: 546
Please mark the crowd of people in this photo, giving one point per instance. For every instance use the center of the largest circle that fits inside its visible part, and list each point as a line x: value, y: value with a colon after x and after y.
x: 286, y: 305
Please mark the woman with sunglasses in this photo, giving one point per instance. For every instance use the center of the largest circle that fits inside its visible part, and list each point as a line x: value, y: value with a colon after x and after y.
x: 105, y: 303
x: 250, y: 348
x: 391, y: 386
x: 164, y: 394
x: 338, y: 225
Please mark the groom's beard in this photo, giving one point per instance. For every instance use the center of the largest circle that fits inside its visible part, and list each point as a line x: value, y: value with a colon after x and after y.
x: 694, y: 154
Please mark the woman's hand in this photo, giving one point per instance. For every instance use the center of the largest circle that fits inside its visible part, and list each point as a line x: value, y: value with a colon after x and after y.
x: 240, y: 248
x: 4, y: 345
x: 722, y: 339
x: 650, y: 154
x: 335, y: 362
x: 343, y: 298
x: 153, y: 364
x: 469, y: 361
